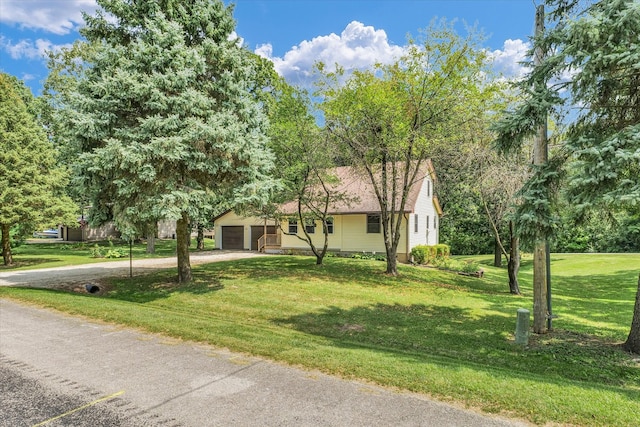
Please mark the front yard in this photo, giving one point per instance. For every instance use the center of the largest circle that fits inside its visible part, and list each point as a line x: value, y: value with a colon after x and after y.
x: 428, y: 331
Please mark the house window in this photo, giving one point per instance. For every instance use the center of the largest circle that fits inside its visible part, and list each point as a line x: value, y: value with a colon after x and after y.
x: 415, y: 223
x: 427, y: 222
x: 293, y: 226
x: 429, y: 188
x: 373, y: 223
x: 310, y: 226
x: 329, y: 225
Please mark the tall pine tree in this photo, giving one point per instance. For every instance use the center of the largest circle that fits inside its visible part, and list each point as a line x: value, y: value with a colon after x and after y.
x: 593, y: 66
x: 165, y: 115
x: 31, y: 183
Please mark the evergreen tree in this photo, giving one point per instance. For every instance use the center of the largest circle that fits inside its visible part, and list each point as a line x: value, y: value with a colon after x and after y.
x: 165, y: 115
x: 592, y: 65
x: 31, y: 183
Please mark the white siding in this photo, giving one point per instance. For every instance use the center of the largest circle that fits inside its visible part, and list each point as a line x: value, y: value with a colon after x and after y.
x: 427, y: 234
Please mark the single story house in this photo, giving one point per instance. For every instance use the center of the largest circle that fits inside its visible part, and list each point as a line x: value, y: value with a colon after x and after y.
x: 355, y: 225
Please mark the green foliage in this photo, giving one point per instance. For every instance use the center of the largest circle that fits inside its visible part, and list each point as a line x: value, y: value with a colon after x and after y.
x: 535, y: 216
x: 427, y: 254
x: 420, y: 254
x: 19, y: 234
x: 162, y: 110
x: 304, y: 165
x: 31, y: 183
x: 369, y: 256
x: 598, y: 232
x: 452, y: 264
x: 48, y: 255
x: 596, y: 44
x: 111, y: 252
x: 386, y: 120
x: 96, y: 251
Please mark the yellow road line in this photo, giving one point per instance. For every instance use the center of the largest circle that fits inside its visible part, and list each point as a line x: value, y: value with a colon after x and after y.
x: 95, y: 402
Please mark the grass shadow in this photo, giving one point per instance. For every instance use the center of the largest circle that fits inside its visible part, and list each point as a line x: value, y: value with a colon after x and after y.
x: 159, y: 285
x: 27, y: 262
x: 461, y: 337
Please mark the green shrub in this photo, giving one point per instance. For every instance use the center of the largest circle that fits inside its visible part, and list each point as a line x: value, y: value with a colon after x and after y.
x: 419, y: 254
x: 18, y: 234
x: 428, y: 254
x: 96, y: 252
x: 469, y: 267
x: 372, y: 256
x: 442, y: 250
x: 115, y: 253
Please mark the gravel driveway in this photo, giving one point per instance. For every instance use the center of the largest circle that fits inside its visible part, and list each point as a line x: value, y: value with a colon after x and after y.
x: 54, y: 277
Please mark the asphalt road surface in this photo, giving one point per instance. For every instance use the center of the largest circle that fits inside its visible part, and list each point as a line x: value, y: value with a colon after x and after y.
x: 57, y: 370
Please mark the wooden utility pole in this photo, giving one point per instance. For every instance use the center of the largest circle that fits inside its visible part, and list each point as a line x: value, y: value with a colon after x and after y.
x: 540, y: 158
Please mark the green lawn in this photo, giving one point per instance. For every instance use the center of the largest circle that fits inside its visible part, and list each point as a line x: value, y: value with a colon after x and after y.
x: 49, y: 253
x: 428, y: 331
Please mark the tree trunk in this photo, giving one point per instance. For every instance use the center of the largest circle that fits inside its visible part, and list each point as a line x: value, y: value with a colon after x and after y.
x: 514, y: 261
x: 540, y: 288
x: 633, y: 341
x: 392, y: 264
x: 497, y: 254
x: 183, y: 238
x: 151, y: 238
x: 200, y: 238
x: 6, y: 245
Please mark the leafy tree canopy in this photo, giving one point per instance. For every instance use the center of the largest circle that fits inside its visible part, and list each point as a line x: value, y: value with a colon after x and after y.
x: 389, y: 119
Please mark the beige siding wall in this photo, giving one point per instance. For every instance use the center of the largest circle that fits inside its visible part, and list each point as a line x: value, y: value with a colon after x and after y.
x: 231, y: 218
x: 101, y: 233
x: 356, y: 238
x: 350, y: 235
x: 90, y: 233
x: 335, y: 239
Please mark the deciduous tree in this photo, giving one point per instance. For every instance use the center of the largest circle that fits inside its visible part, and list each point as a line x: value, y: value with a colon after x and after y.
x: 388, y: 118
x: 304, y: 165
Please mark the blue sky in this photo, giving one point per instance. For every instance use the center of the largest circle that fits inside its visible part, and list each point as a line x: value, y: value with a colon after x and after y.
x: 292, y: 33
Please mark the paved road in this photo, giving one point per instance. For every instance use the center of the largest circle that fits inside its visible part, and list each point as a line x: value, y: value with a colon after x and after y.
x: 92, y: 374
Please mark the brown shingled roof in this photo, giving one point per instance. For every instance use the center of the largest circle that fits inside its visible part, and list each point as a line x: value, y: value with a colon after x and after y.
x: 361, y: 197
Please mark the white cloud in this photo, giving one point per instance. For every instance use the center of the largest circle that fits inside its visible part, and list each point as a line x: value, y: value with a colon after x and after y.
x: 508, y: 61
x: 357, y: 47
x: 26, y: 49
x: 58, y: 17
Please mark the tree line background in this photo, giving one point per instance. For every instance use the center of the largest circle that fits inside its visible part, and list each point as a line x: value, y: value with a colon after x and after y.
x: 183, y: 80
